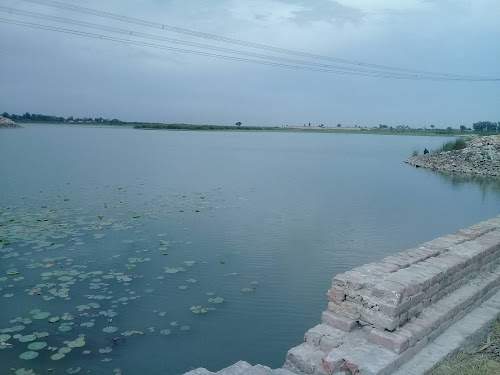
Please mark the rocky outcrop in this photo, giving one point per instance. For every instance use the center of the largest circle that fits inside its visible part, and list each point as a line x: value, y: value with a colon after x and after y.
x: 6, y: 123
x: 481, y: 156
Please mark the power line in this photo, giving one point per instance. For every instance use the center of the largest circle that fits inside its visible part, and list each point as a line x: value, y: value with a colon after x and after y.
x: 162, y: 47
x: 137, y: 21
x: 233, y: 58
x: 182, y: 42
x: 198, y: 45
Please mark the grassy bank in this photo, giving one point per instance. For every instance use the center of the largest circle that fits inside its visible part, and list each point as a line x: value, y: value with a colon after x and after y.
x: 457, y: 144
x: 483, y: 360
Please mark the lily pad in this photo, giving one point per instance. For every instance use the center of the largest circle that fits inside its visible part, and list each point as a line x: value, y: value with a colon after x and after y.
x: 41, y: 315
x: 64, y: 350
x: 28, y: 355
x: 165, y: 332
x: 216, y: 300
x: 39, y: 345
x: 57, y: 356
x: 110, y: 329
x: 27, y: 338
x: 185, y: 328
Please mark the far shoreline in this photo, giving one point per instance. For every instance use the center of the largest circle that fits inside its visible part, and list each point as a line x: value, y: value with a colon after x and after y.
x: 275, y: 129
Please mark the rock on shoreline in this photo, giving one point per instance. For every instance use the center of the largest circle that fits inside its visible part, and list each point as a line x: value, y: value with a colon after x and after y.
x: 481, y: 156
x: 7, y: 123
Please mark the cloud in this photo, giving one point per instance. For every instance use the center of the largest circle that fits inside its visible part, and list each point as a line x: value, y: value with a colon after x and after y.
x: 328, y: 11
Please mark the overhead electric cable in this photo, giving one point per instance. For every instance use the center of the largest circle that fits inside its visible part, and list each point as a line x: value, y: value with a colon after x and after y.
x: 129, y: 32
x: 234, y: 58
x: 137, y: 21
x: 200, y: 53
x: 182, y: 42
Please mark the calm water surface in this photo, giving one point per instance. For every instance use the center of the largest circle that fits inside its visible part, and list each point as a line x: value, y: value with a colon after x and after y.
x: 198, y: 249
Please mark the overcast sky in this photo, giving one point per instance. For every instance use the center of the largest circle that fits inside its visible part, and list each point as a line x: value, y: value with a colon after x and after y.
x: 54, y: 73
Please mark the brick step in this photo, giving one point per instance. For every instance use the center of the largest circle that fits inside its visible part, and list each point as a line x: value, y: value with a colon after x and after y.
x: 435, y: 319
x: 305, y: 359
x: 325, y: 337
x: 463, y: 334
x: 242, y: 368
x: 389, y: 293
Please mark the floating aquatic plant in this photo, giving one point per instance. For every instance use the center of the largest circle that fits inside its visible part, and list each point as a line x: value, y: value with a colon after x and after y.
x: 216, y: 300
x: 110, y: 329
x: 39, y: 345
x: 57, y: 356
x: 28, y: 355
x: 41, y: 315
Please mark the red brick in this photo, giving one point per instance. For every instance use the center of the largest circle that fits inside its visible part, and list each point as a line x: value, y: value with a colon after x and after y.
x: 390, y: 340
x: 338, y: 321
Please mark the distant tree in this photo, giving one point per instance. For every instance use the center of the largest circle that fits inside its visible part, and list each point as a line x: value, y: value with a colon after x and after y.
x: 309, y: 124
x: 70, y: 118
x: 321, y: 126
x: 491, y: 126
x: 449, y: 128
x: 463, y: 128
x: 238, y: 123
x: 5, y: 114
x: 432, y: 126
x: 482, y: 126
x: 339, y: 125
x: 382, y: 126
x: 27, y: 116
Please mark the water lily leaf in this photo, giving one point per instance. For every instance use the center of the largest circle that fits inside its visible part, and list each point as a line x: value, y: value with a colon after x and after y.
x: 165, y: 332
x: 28, y: 355
x: 27, y: 338
x: 185, y: 328
x: 41, y: 315
x: 248, y: 290
x: 76, y: 344
x: 105, y: 350
x: 57, y: 356
x: 191, y: 281
x: 64, y: 350
x: 216, y: 300
x: 110, y: 329
x: 39, y: 345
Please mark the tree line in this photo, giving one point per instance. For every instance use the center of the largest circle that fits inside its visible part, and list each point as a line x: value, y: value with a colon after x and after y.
x: 48, y: 118
x: 480, y: 126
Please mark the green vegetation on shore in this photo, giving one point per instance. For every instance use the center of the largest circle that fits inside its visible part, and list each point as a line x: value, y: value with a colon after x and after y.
x: 457, y: 144
x: 202, y: 127
x: 482, y: 127
x: 484, y: 359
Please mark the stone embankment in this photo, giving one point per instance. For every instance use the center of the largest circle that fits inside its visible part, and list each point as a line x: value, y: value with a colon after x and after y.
x: 481, y: 156
x: 7, y: 123
x: 404, y: 314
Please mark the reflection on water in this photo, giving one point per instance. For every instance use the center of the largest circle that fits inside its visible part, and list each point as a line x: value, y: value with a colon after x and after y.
x: 198, y: 249
x: 487, y: 184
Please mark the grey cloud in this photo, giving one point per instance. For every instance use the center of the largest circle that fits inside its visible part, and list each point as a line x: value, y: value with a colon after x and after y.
x: 324, y: 11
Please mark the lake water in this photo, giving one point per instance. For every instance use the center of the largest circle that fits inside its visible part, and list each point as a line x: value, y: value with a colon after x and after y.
x: 158, y: 252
